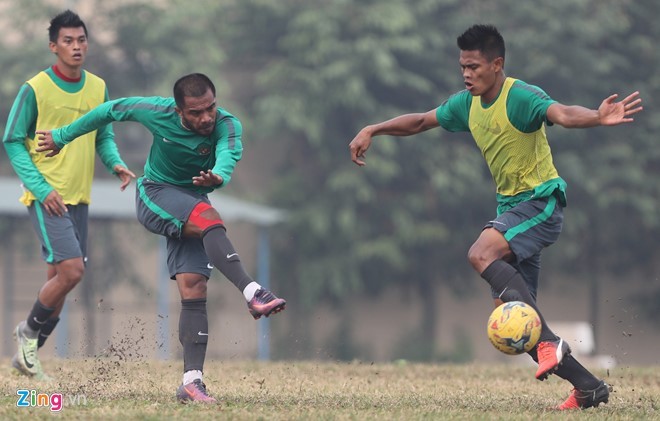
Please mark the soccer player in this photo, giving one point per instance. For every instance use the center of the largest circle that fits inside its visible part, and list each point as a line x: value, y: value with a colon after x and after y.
x: 507, y: 118
x: 57, y: 191
x: 196, y: 145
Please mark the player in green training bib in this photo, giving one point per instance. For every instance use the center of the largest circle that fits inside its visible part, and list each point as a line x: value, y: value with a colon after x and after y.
x: 194, y: 150
x: 507, y: 119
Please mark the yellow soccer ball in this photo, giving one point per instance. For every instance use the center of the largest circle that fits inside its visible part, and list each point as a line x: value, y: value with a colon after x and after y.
x: 514, y: 328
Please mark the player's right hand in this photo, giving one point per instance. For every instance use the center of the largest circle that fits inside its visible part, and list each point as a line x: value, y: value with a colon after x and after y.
x: 359, y: 146
x: 46, y: 143
x: 54, y: 204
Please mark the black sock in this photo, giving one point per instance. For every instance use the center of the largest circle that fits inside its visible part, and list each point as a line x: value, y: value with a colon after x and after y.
x: 223, y: 256
x: 193, y: 333
x: 532, y: 353
x: 571, y: 370
x: 507, y: 282
x: 39, y: 316
x: 46, y: 329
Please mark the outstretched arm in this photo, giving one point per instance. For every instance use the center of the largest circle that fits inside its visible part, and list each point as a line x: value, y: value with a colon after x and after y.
x: 609, y: 113
x: 122, y: 109
x: 55, y: 140
x: 403, y: 125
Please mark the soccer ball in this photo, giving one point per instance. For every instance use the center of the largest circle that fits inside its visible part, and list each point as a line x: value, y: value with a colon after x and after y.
x: 514, y: 328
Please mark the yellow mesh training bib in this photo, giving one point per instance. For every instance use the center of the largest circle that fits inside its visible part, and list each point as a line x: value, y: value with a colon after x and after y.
x: 71, y: 171
x: 517, y: 161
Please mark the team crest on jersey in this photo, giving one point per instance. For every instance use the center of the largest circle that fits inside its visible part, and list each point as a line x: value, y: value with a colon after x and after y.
x: 204, y: 149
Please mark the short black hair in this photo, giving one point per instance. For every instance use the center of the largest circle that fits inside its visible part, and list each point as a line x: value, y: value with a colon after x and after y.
x: 192, y: 85
x: 66, y: 19
x: 483, y: 38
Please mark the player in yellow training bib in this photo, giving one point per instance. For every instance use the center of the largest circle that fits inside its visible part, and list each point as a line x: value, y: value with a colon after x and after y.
x: 507, y: 119
x: 57, y: 190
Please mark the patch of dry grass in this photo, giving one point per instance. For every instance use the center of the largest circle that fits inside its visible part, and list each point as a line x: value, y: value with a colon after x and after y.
x: 118, y: 389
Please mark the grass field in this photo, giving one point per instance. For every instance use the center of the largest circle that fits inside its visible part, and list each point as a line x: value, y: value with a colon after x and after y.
x: 112, y: 388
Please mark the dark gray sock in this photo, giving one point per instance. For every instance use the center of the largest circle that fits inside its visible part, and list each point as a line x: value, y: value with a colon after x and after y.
x: 46, y: 329
x: 39, y: 316
x: 224, y: 257
x: 193, y: 333
x: 507, y: 282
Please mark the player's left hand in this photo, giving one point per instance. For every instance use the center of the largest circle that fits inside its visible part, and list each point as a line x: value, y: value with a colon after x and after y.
x: 611, y: 113
x: 207, y: 179
x: 46, y: 143
x: 124, y: 174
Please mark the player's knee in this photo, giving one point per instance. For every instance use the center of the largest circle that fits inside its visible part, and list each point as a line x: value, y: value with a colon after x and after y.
x: 476, y: 257
x: 204, y: 217
x: 199, y: 288
x: 489, y: 247
x: 70, y: 272
x: 192, y: 286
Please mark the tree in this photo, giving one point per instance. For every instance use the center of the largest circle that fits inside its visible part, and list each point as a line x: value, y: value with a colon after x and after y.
x: 333, y: 67
x: 327, y: 68
x: 305, y: 76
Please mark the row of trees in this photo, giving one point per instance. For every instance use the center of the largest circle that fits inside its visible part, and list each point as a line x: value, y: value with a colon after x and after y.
x: 305, y: 76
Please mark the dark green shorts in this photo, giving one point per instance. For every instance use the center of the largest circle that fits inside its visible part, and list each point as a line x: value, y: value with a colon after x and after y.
x: 62, y: 237
x: 163, y: 209
x: 529, y: 227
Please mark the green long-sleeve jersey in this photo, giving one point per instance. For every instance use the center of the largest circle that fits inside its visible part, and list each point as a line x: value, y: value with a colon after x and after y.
x: 177, y: 154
